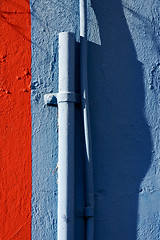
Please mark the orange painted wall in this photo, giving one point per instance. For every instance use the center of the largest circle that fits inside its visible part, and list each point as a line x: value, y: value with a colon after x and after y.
x: 15, y: 120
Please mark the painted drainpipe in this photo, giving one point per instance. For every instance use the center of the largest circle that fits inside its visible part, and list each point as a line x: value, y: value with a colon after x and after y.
x: 66, y: 109
x: 66, y: 99
x: 89, y: 209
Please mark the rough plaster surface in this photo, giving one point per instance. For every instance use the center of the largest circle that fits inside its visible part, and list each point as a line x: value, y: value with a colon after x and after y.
x: 15, y: 120
x: 48, y: 18
x: 123, y: 61
x: 145, y: 17
x: 124, y: 97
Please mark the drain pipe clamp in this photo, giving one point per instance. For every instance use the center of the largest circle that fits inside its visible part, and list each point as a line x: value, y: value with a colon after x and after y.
x: 55, y: 98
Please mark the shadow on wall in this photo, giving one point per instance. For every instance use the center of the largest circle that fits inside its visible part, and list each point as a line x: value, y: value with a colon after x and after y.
x: 120, y: 135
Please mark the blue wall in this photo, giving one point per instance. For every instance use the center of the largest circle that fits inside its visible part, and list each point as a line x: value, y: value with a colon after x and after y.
x: 124, y: 67
x: 47, y: 19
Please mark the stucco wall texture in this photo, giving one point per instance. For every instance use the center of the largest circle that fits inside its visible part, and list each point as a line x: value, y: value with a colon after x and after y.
x: 15, y: 120
x: 124, y: 83
x: 123, y: 61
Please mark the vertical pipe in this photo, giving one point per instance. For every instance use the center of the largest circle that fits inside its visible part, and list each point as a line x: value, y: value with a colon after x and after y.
x: 83, y: 18
x: 66, y: 138
x: 86, y: 117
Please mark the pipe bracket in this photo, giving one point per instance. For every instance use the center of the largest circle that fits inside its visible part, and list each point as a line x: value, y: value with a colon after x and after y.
x: 85, y: 212
x: 89, y: 212
x: 51, y: 99
x: 55, y: 98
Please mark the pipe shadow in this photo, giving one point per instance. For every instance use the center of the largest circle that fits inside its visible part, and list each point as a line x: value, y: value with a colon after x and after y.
x: 121, y: 138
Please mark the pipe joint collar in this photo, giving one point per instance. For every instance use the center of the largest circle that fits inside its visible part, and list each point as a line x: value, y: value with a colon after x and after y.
x: 89, y: 212
x: 55, y: 98
x: 68, y: 97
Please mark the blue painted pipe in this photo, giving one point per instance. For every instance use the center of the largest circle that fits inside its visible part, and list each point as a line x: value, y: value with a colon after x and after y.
x: 66, y: 110
x: 86, y: 118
